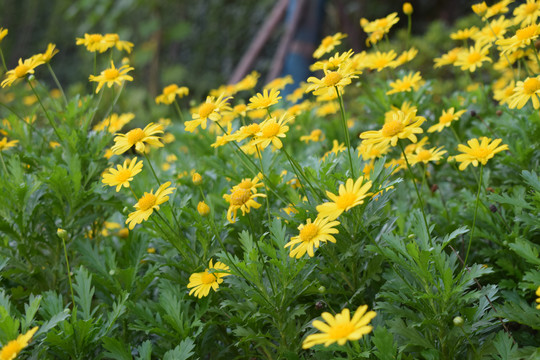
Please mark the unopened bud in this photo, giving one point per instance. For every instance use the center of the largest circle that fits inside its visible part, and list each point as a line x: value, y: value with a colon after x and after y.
x: 493, y: 208
x: 473, y: 113
x: 321, y: 289
x: 62, y: 234
x: 498, y: 112
x: 196, y: 178
x: 203, y: 209
x: 407, y: 8
x: 458, y: 321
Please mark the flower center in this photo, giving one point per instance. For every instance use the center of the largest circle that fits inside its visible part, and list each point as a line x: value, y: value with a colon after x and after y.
x: 424, y: 155
x: 147, y: 202
x: 270, y: 130
x: 246, y: 184
x: 252, y: 129
x: 94, y: 38
x: 208, y: 278
x: 346, y: 200
x: 531, y: 85
x: 474, y: 57
x: 240, y: 196
x: 11, y: 350
x: 123, y: 175
x: 392, y: 128
x: 446, y: 118
x: 340, y: 331
x: 206, y: 109
x: 480, y: 153
x: 135, y: 135
x: 308, y: 232
x: 327, y: 41
x: 111, y: 74
x: 332, y: 78
x: 21, y: 70
x: 526, y: 33
x: 380, y: 63
x: 170, y: 89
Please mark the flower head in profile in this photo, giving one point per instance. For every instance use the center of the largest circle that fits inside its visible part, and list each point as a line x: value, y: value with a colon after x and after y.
x: 201, y: 283
x: 527, y: 13
x: 93, y: 42
x: 402, y: 126
x: 350, y: 195
x: 123, y: 174
x: 449, y: 58
x: 526, y: 90
x: 114, y: 122
x: 382, y: 25
x: 5, y: 144
x: 380, y: 60
x: 10, y: 350
x: 424, y: 156
x: 24, y: 68
x: 446, y: 119
x: 138, y: 137
x: 112, y: 76
x: 3, y: 33
x: 264, y: 100
x: 279, y: 83
x: 114, y: 40
x: 170, y: 93
x: 148, y: 203
x: 210, y: 109
x: 479, y: 151
x: 328, y: 44
x: 340, y: 328
x: 311, y: 235
x: 271, y: 131
x: 408, y: 83
x: 464, y: 34
x: 243, y: 199
x: 522, y: 38
x: 48, y: 54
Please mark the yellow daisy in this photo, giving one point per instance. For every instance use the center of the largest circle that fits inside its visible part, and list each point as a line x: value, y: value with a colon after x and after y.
x: 526, y: 90
x: 279, y: 83
x: 402, y: 126
x: 464, y: 34
x: 311, y: 235
x: 336, y: 149
x: 479, y: 151
x: 250, y: 184
x: 333, y: 63
x: 123, y: 174
x: 382, y: 25
x: 350, y: 195
x: 527, y: 13
x: 93, y: 42
x: 494, y: 31
x: 340, y: 328
x: 446, y: 119
x: 5, y: 144
x: 372, y: 151
x: 523, y: 37
x: 242, y: 199
x: 474, y: 57
x: 332, y: 79
x: 48, y: 54
x: 138, y: 137
x: 449, y: 58
x: 114, y: 40
x: 426, y: 155
x: 315, y: 136
x: 114, y: 123
x: 480, y: 8
x: 112, y: 76
x: 210, y: 109
x: 148, y: 203
x: 381, y: 60
x: 3, y: 33
x: 14, y: 347
x: 271, y: 132
x: 170, y: 92
x: 538, y: 300
x: 328, y: 44
x: 202, y: 282
x: 21, y: 70
x: 406, y: 84
x: 264, y: 100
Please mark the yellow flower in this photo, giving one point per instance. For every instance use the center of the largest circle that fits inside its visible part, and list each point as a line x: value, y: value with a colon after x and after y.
x: 426, y: 155
x: 315, y: 135
x: 114, y: 40
x: 332, y: 79
x: 21, y: 70
x: 372, y: 151
x: 449, y: 58
x: 250, y: 184
x: 478, y: 152
x: 210, y: 109
x: 48, y: 54
x: 202, y: 208
x: 311, y: 235
x: 402, y: 126
x: 245, y: 132
x: 480, y: 8
x: 538, y: 300
x: 271, y: 132
x: 350, y: 195
x: 279, y: 83
x: 474, y: 57
x: 381, y: 60
x: 137, y: 137
x: 264, y: 100
x: 5, y: 144
x: 498, y: 8
x: 522, y: 38
x: 243, y: 199
x: 248, y: 82
x: 114, y: 123
x: 408, y: 83
x: 336, y: 149
x: 381, y: 25
x: 196, y: 178
x: 446, y: 119
x: 3, y: 33
x: 340, y: 328
x: 202, y: 282
x: 123, y: 174
x: 528, y: 13
x: 495, y: 30
x: 407, y: 8
x: 93, y: 42
x: 464, y: 34
x: 525, y: 91
x: 170, y: 92
x: 328, y: 44
x: 406, y: 56
x: 333, y: 63
x: 112, y: 76
x: 504, y: 94
x: 148, y: 203
x: 14, y: 347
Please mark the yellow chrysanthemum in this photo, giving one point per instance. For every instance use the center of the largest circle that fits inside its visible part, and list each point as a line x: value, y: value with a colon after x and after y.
x: 243, y: 199
x: 170, y: 92
x: 48, y: 54
x: 210, y: 109
x: 494, y: 31
x: 112, y: 76
x: 332, y: 79
x: 248, y: 82
x: 480, y: 9
x: 3, y: 33
x: 123, y: 174
x: 202, y: 282
x: 114, y: 123
x: 372, y: 151
x: 479, y: 151
x: 527, y: 13
x: 382, y: 25
x: 138, y: 137
x: 279, y: 83
x: 148, y: 203
x: 21, y: 70
x: 333, y: 63
x: 538, y: 300
x: 5, y: 144
x: 464, y: 34
x: 328, y: 44
x: 402, y: 126
x: 500, y: 7
x: 422, y: 155
x: 311, y: 235
x: 350, y: 195
x: 264, y: 100
x: 406, y: 84
x: 449, y: 58
x: 526, y: 90
x: 341, y: 328
x: 381, y: 60
x: 271, y: 132
x: 446, y: 119
x: 336, y: 149
x: 114, y: 40
x: 406, y: 56
x: 14, y: 347
x: 315, y: 136
x: 474, y: 57
x: 250, y: 183
x: 523, y: 37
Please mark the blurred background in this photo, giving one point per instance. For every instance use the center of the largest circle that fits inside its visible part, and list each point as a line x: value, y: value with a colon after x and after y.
x: 197, y: 44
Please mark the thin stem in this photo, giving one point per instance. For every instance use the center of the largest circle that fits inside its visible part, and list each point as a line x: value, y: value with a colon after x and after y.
x: 408, y: 30
x: 535, y: 53
x: 68, y: 272
x: 113, y: 103
x: 475, y: 213
x: 265, y: 185
x: 57, y: 83
x: 3, y: 163
x: 95, y: 69
x: 3, y: 61
x: 345, y: 130
x: 265, y: 269
x: 51, y: 121
x: 296, y: 172
x: 152, y: 168
x: 417, y: 192
x: 178, y: 110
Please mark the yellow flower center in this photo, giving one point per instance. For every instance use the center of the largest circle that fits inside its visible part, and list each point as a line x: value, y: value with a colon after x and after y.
x: 94, y: 38
x: 270, y: 130
x: 147, y: 202
x: 392, y: 128
x: 480, y: 152
x: 526, y: 33
x: 10, y: 350
x: 246, y: 184
x: 327, y: 41
x: 340, y: 331
x: 206, y: 109
x: 168, y: 90
x: 424, y: 155
x: 474, y: 57
x: 346, y: 200
x: 332, y: 78
x: 111, y: 74
x: 208, y: 278
x: 530, y: 8
x: 531, y: 85
x: 446, y: 118
x: 380, y: 63
x: 240, y: 196
x: 308, y: 232
x: 123, y: 175
x: 135, y: 135
x: 252, y: 129
x: 21, y: 70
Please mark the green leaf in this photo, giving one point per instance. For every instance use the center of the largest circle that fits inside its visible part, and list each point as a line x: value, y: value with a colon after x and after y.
x: 30, y: 312
x: 182, y: 351
x: 116, y: 349
x: 84, y: 292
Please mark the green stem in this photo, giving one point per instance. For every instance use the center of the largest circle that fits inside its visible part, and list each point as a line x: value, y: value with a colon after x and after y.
x: 345, y: 130
x: 265, y: 269
x: 535, y: 53
x: 68, y: 273
x: 475, y: 213
x: 408, y: 31
x: 3, y: 163
x: 178, y: 110
x: 112, y: 105
x: 3, y: 61
x: 152, y: 168
x: 265, y: 186
x: 51, y: 121
x: 57, y: 83
x: 296, y: 172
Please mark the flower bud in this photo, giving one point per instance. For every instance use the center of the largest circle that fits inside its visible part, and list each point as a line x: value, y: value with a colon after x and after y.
x: 196, y: 178
x: 458, y: 321
x: 62, y: 234
x: 203, y: 208
x: 123, y: 233
x: 480, y: 8
x: 321, y: 289
x: 407, y: 8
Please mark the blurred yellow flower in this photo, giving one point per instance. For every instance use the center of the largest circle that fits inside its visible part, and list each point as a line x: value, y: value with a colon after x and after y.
x: 114, y: 122
x: 112, y: 76
x: 526, y: 90
x: 202, y: 282
x: 170, y: 92
x: 5, y: 144
x: 408, y: 83
x: 10, y: 350
x: 328, y: 44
